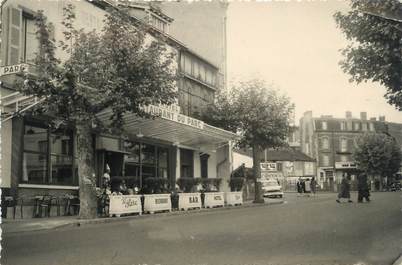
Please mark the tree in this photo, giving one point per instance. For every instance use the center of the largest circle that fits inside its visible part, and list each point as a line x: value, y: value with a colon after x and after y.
x: 258, y: 113
x: 115, y: 69
x: 375, y: 51
x: 377, y: 154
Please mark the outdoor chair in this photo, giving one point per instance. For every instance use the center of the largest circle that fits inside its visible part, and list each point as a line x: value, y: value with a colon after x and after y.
x: 75, y: 204
x: 45, y: 205
x: 13, y: 202
x: 55, y: 201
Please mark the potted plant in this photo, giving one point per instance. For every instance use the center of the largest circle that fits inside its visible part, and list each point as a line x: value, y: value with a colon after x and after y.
x: 156, y: 197
x: 235, y: 197
x: 189, y: 199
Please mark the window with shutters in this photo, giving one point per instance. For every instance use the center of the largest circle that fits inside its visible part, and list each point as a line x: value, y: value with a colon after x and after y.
x: 22, y: 41
x: 344, y: 145
x: 324, y: 143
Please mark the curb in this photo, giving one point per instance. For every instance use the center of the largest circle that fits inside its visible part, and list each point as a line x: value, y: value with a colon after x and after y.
x: 398, y: 261
x: 84, y: 222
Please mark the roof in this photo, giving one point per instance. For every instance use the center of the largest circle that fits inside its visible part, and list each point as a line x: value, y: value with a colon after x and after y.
x: 288, y: 155
x: 282, y: 154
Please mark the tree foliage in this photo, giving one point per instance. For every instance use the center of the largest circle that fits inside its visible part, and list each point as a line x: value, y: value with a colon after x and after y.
x: 377, y: 154
x: 375, y: 49
x: 258, y: 113
x: 114, y: 68
x: 117, y: 69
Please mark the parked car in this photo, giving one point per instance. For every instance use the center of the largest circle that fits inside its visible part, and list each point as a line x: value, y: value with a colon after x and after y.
x: 272, y: 189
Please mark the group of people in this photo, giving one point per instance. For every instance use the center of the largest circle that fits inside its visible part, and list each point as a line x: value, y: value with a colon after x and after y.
x: 362, y: 189
x: 306, y: 186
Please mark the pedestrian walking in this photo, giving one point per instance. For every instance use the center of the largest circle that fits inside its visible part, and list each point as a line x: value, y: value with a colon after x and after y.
x: 303, y: 184
x: 307, y: 185
x: 345, y: 189
x: 299, y: 187
x: 362, y: 188
x: 313, y: 185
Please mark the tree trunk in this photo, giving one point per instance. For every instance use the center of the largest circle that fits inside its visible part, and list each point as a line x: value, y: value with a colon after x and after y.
x: 257, y: 174
x: 86, y: 172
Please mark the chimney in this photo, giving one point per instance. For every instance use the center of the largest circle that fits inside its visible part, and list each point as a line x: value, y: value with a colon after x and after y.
x: 381, y: 118
x: 373, y: 119
x: 363, y: 116
x: 348, y: 114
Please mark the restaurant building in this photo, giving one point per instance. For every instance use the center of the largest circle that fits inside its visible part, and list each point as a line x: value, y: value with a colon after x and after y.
x: 37, y: 159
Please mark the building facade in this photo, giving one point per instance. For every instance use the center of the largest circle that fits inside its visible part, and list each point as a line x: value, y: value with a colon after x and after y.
x: 332, y: 141
x: 37, y: 159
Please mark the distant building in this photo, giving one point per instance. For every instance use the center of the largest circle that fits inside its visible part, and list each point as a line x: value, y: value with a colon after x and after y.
x: 331, y: 141
x: 286, y: 165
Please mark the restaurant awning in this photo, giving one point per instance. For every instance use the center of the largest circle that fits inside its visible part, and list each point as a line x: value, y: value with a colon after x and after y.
x: 173, y: 128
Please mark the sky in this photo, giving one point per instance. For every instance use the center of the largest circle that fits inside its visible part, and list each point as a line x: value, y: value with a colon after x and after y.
x: 295, y: 45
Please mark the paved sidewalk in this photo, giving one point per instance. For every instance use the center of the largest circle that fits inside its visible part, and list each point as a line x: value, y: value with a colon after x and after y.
x: 36, y: 224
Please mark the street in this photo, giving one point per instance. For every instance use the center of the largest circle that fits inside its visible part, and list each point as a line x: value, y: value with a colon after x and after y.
x: 300, y: 231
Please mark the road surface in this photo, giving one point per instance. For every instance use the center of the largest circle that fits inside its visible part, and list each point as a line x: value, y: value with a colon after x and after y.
x: 301, y: 231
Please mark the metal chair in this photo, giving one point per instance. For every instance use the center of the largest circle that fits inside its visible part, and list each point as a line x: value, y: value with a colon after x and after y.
x: 45, y: 204
x: 75, y: 204
x: 13, y: 202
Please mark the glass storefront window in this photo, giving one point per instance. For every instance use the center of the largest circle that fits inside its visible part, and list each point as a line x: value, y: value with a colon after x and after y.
x: 147, y: 154
x: 62, y: 170
x: 145, y: 161
x: 134, y: 150
x: 47, y: 152
x: 34, y: 168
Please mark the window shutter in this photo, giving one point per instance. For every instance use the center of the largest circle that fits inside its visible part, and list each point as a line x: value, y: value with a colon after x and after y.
x: 4, y: 31
x: 14, y: 36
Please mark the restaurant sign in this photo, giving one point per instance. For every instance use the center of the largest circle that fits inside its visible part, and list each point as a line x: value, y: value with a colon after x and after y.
x: 172, y: 115
x: 12, y: 69
x: 345, y: 165
x: 124, y: 204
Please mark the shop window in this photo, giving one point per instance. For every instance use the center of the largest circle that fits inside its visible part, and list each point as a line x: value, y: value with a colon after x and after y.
x: 163, y: 162
x: 61, y: 157
x: 147, y: 154
x: 48, y: 156
x: 204, y: 165
x: 186, y: 163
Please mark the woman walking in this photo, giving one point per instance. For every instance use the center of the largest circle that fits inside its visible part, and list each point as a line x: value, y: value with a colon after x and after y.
x: 313, y: 185
x: 345, y: 189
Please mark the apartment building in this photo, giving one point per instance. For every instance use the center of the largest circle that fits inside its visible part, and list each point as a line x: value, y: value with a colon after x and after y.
x: 331, y: 141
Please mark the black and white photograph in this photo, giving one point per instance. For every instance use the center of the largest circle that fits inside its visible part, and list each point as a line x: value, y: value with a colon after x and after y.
x: 215, y: 132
